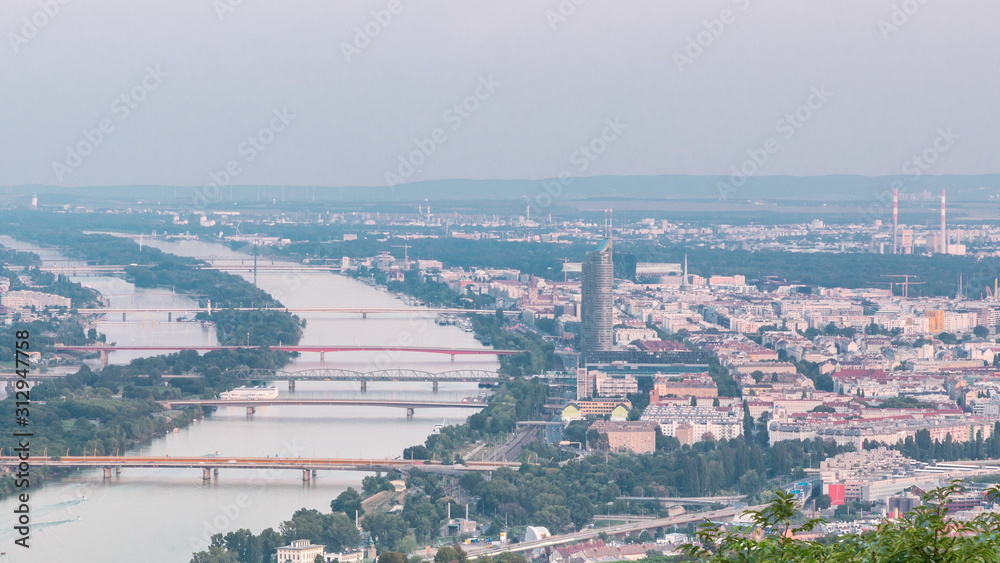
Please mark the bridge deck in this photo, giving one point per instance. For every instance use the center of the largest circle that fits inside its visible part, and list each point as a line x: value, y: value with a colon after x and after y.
x: 613, y: 530
x: 236, y: 462
x: 324, y: 349
x: 338, y: 310
x: 329, y: 402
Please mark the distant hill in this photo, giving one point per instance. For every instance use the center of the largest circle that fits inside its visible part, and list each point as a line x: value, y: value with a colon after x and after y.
x: 804, y: 188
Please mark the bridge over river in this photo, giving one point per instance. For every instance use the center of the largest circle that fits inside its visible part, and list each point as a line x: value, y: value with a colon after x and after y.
x: 211, y: 465
x: 336, y: 374
x: 106, y: 350
x: 253, y: 404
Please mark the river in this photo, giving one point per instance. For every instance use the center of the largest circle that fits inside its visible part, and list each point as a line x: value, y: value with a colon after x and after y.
x: 166, y: 514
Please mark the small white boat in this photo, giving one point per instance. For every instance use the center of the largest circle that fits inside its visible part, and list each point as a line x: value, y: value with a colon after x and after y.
x: 438, y: 427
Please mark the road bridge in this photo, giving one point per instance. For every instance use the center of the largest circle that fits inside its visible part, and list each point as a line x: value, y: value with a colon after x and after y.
x: 106, y: 269
x: 252, y: 404
x: 211, y: 465
x: 363, y: 311
x: 688, y: 500
x: 105, y: 350
x: 621, y: 529
x: 334, y: 374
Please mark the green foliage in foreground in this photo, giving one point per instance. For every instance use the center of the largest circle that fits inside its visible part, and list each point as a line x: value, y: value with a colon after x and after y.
x: 926, y: 534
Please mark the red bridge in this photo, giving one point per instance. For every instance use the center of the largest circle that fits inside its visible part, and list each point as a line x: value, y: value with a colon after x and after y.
x: 105, y: 350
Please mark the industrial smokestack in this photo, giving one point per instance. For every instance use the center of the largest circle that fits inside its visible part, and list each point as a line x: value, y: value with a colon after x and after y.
x: 944, y: 227
x: 895, y: 221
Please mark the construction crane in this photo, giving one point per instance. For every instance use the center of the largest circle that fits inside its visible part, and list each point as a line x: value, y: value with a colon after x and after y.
x: 906, y: 283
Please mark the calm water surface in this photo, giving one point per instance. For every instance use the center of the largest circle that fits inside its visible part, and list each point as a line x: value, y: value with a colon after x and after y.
x: 165, y: 514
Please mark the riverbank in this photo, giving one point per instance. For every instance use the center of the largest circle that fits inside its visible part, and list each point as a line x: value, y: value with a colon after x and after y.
x: 112, y: 410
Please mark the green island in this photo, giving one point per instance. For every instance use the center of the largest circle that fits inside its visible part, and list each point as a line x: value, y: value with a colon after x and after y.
x: 112, y: 410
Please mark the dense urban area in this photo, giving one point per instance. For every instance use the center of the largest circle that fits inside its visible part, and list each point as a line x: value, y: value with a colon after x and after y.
x: 671, y: 387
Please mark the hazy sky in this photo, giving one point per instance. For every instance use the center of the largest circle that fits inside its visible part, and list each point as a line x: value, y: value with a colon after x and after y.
x: 332, y: 105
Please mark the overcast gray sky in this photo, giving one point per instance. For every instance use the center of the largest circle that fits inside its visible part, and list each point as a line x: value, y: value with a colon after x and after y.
x: 339, y: 108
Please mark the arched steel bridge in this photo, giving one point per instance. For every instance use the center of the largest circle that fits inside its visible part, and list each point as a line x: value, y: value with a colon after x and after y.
x: 336, y: 374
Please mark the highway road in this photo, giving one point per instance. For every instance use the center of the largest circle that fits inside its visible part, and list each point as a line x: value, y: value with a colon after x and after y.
x: 592, y: 533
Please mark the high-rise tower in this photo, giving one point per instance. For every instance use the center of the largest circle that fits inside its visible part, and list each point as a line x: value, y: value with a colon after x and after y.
x: 943, y: 244
x: 895, y: 221
x: 597, y: 314
x: 685, y: 280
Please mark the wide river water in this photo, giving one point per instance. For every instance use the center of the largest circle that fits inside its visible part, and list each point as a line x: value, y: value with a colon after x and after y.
x: 165, y: 514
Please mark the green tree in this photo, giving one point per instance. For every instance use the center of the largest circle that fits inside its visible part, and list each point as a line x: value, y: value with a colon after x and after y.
x: 450, y: 553
x: 306, y: 524
x: 214, y: 554
x: 386, y: 529
x: 391, y: 557
x: 270, y: 540
x: 947, y: 338
x: 244, y: 545
x: 348, y: 502
x: 927, y: 534
x: 372, y: 484
x: 340, y: 532
x: 581, y: 510
x: 823, y: 501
